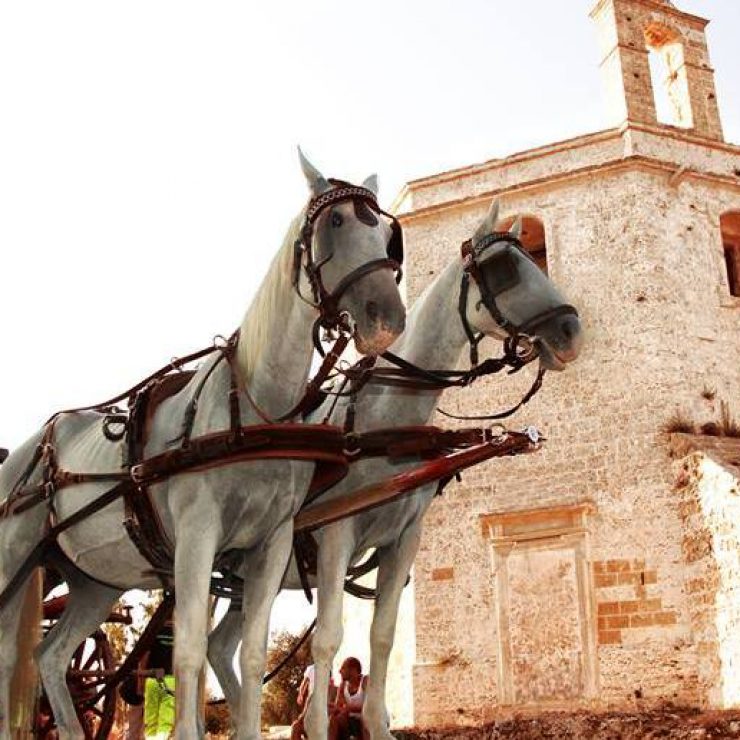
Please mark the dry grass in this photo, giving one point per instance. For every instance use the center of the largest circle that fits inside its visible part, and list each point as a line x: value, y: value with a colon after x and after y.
x: 728, y: 424
x: 679, y: 422
x: 708, y: 394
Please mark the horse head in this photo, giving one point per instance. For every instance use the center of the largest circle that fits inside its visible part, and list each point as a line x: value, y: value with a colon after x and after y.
x: 511, y: 298
x: 351, y: 251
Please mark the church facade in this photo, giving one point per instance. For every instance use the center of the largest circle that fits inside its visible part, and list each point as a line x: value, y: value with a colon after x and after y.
x: 605, y: 569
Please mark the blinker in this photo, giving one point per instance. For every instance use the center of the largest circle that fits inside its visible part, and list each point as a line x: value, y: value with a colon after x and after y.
x: 499, y: 271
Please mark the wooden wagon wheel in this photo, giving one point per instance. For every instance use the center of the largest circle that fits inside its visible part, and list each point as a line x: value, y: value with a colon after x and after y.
x: 91, y: 666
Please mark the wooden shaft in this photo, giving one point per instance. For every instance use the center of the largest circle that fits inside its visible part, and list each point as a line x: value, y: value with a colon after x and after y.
x: 389, y: 489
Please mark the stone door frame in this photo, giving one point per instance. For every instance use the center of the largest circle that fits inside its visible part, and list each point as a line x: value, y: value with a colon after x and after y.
x: 560, y: 527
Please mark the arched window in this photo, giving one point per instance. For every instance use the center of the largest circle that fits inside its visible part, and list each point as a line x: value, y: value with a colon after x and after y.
x: 668, y: 73
x: 533, y: 238
x: 729, y: 224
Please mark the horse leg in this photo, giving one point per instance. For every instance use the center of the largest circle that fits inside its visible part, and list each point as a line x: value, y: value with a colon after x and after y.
x: 193, y: 565
x: 9, y: 625
x: 337, y: 546
x: 394, y: 566
x: 222, y: 644
x: 265, y: 568
x: 88, y: 605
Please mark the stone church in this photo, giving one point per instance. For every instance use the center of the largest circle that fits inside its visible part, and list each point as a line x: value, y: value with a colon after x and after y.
x: 603, y: 571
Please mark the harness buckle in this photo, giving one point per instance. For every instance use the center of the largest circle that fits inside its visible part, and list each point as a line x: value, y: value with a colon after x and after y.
x: 351, y: 447
x: 136, y: 474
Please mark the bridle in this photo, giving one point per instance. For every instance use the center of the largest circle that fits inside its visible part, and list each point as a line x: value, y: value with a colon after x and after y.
x: 324, y: 301
x: 518, y: 346
x: 336, y: 325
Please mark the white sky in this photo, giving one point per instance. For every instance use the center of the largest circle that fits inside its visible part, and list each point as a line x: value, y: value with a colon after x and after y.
x: 147, y: 152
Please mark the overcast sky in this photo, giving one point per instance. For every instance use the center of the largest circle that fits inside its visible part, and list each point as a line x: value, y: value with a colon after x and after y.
x: 147, y: 152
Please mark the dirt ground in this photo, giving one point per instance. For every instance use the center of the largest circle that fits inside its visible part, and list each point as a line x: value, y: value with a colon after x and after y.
x: 670, y: 722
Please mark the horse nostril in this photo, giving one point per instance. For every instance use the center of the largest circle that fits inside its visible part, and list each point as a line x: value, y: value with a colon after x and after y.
x: 569, y: 327
x: 371, y: 308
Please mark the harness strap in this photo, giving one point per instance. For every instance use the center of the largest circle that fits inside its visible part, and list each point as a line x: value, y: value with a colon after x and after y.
x: 255, y: 442
x: 305, y: 550
x: 462, y: 306
x: 324, y: 301
x: 313, y: 389
x: 533, y: 389
x: 37, y: 556
x: 175, y: 364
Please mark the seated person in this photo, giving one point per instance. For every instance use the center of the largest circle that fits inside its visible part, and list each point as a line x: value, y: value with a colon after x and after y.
x: 345, y: 719
x: 297, y: 729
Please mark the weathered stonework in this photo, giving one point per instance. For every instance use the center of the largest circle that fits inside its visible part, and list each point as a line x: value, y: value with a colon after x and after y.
x: 601, y: 597
x: 709, y: 489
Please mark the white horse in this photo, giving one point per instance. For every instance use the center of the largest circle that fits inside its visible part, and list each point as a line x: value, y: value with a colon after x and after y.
x: 434, y: 338
x: 246, y: 505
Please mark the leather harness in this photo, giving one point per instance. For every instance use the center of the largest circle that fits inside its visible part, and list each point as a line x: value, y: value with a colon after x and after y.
x: 332, y: 448
x: 318, y: 443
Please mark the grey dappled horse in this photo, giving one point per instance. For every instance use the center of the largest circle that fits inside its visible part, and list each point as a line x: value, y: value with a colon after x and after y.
x: 434, y: 338
x: 247, y: 505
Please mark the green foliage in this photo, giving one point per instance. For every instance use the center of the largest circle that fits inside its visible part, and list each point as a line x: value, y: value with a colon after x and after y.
x: 280, y: 696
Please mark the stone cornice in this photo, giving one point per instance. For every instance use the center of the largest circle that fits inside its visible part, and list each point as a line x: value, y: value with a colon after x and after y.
x: 635, y: 162
x: 491, y: 164
x: 679, y: 135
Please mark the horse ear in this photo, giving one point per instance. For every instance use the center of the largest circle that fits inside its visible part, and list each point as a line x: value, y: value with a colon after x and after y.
x: 488, y: 224
x: 516, y: 228
x: 316, y: 181
x: 371, y: 183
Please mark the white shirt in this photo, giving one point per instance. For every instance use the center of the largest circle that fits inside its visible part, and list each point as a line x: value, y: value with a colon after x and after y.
x: 309, y: 674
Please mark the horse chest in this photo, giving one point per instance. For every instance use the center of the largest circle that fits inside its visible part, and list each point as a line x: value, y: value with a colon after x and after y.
x: 254, y: 499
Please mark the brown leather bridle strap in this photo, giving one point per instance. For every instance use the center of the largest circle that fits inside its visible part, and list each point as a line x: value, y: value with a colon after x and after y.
x: 313, y: 389
x: 414, y: 441
x: 331, y: 315
x: 255, y: 442
x: 175, y: 364
x: 526, y: 398
x: 327, y: 302
x: 336, y: 195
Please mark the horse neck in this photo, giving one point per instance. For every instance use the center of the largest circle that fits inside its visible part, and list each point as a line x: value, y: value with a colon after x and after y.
x: 279, y: 376
x: 434, y: 339
x: 273, y: 357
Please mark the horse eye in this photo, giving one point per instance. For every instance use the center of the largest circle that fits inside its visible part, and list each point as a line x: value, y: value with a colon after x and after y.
x: 336, y: 220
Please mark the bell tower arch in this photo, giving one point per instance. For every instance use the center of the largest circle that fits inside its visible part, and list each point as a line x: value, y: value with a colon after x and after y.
x: 652, y: 52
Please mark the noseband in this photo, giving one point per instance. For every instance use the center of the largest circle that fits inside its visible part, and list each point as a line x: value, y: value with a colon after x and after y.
x: 518, y: 345
x: 326, y: 302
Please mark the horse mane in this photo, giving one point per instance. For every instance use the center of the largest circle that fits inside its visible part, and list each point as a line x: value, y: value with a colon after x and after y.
x: 273, y: 299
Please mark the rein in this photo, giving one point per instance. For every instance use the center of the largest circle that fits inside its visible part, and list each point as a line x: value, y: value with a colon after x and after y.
x: 518, y: 346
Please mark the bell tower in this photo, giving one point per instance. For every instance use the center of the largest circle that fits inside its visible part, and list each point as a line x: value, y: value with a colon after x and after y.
x: 651, y: 52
